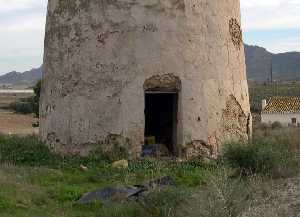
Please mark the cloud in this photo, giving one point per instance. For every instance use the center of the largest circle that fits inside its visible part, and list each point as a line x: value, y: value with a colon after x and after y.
x: 270, y: 14
x: 284, y: 45
x: 13, y: 5
x: 273, y: 24
x: 27, y: 23
x: 22, y: 24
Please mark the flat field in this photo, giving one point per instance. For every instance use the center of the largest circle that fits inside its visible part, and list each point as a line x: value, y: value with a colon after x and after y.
x: 7, y: 98
x: 12, y: 123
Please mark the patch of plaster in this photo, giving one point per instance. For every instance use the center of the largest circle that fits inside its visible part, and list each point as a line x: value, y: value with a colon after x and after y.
x: 110, y: 143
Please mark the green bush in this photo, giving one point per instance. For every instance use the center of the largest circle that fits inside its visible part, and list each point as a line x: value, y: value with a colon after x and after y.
x: 22, y: 107
x: 254, y: 158
x: 29, y: 151
x: 163, y: 203
x: 36, y: 98
x: 276, y: 125
x: 5, y: 203
x: 271, y: 156
x: 25, y: 151
x: 28, y: 105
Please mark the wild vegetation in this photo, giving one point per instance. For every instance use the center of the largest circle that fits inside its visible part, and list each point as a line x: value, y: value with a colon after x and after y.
x: 28, y: 105
x: 36, y: 182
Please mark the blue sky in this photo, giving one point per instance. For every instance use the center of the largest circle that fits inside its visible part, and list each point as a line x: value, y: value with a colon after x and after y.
x: 273, y: 24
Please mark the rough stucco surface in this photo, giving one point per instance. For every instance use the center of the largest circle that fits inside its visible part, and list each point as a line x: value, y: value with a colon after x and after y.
x: 284, y: 118
x: 99, y: 55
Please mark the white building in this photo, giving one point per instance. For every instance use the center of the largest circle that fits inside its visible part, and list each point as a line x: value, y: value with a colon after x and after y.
x: 285, y: 110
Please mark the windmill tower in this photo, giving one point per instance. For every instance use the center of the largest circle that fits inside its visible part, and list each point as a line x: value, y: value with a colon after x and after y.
x: 117, y: 72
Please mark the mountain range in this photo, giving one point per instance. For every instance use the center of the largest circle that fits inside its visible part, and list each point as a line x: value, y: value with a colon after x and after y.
x: 27, y: 78
x: 259, y: 61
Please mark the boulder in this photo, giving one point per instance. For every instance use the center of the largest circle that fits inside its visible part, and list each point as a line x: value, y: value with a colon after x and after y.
x: 122, y: 193
x: 109, y: 194
x: 159, y: 184
x: 121, y: 164
x: 83, y: 168
x: 155, y: 150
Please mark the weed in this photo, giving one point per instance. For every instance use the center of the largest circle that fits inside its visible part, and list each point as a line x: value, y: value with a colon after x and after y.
x: 224, y: 196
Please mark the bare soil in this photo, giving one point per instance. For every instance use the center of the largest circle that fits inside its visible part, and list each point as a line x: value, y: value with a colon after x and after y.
x: 282, y: 200
x: 12, y: 123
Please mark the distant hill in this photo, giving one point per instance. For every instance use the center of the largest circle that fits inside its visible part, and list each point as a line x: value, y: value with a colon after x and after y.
x: 21, y: 78
x: 285, y: 66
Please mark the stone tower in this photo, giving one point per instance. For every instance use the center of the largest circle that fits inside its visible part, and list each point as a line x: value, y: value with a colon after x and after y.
x: 119, y: 71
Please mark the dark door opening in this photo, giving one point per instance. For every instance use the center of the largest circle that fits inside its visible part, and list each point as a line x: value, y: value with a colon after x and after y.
x: 161, y: 118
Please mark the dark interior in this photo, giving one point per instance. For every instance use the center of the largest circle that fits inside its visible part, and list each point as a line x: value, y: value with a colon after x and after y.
x: 161, y: 118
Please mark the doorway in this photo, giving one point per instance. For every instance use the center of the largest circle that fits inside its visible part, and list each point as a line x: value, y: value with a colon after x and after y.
x: 161, y: 110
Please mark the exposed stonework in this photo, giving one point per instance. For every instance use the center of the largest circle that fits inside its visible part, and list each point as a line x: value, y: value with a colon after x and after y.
x: 234, y: 123
x: 198, y: 148
x: 235, y: 32
x: 101, y: 56
x: 163, y: 82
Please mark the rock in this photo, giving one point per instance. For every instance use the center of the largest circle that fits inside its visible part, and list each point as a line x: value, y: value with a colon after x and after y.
x: 110, y: 194
x: 159, y: 184
x: 83, y: 168
x: 126, y: 192
x: 155, y: 150
x: 121, y: 164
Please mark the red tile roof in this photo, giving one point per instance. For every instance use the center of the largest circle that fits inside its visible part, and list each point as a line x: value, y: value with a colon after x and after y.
x: 282, y: 104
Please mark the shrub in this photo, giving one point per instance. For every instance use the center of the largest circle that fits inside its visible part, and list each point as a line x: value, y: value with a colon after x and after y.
x: 29, y: 151
x: 36, y: 98
x: 224, y: 196
x: 28, y: 105
x: 163, y: 203
x: 25, y: 151
x: 21, y: 107
x: 271, y: 156
x: 263, y: 126
x: 276, y: 125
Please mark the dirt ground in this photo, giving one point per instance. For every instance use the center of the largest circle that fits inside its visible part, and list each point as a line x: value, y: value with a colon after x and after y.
x: 11, y: 123
x: 283, y: 200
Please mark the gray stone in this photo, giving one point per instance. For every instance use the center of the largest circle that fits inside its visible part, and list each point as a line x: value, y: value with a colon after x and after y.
x: 126, y: 192
x: 110, y: 194
x: 121, y: 164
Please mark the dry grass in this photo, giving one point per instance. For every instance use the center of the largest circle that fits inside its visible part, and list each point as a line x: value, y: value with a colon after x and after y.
x: 223, y: 196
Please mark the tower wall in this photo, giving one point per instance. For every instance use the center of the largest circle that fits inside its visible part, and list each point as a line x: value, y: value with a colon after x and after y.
x: 101, y: 55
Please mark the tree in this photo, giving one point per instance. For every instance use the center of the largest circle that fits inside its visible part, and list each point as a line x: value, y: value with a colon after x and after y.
x: 36, y: 98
